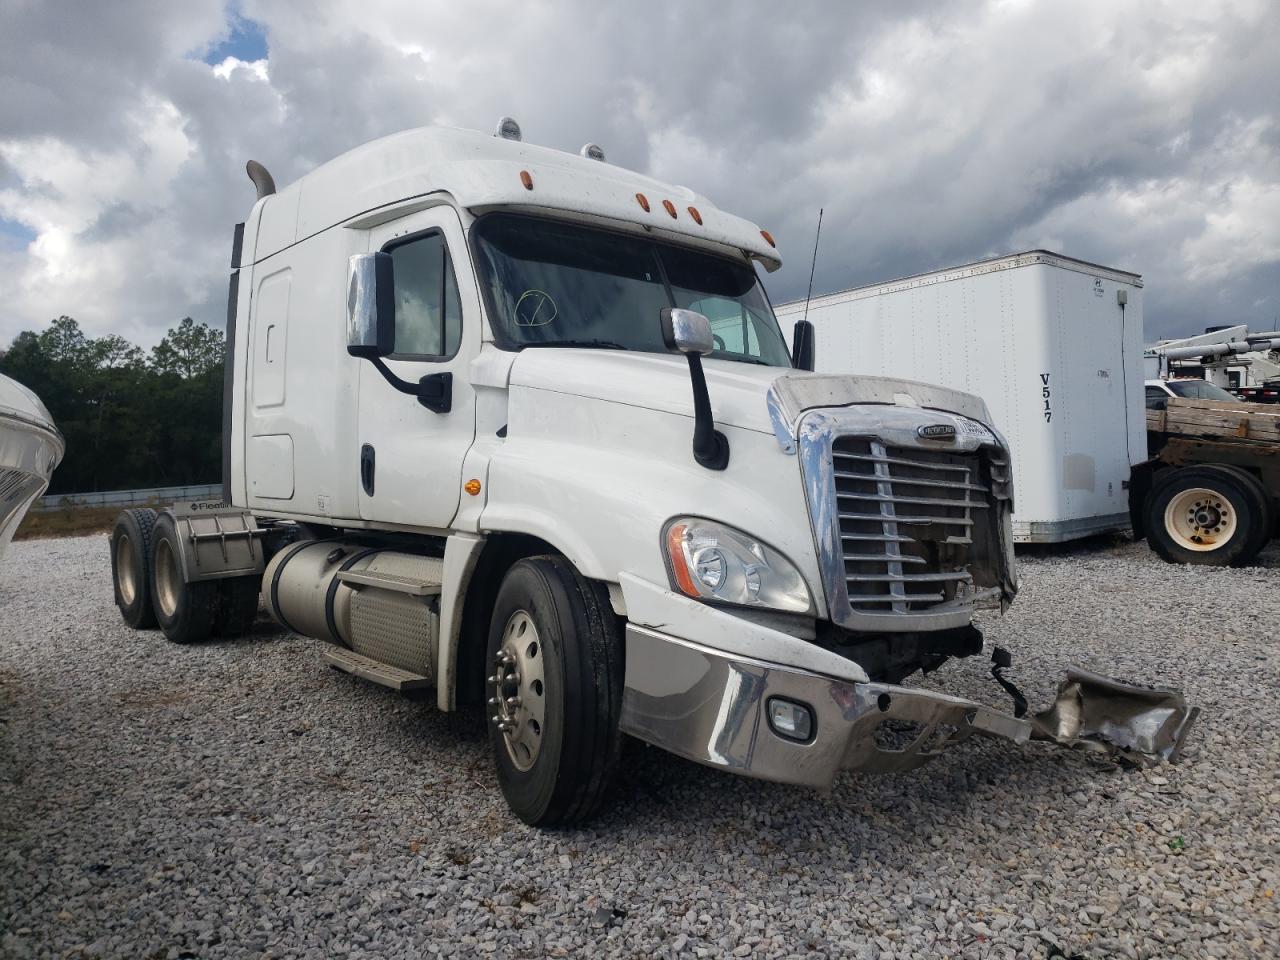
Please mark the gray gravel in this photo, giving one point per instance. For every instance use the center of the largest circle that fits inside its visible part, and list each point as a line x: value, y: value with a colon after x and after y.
x: 238, y: 800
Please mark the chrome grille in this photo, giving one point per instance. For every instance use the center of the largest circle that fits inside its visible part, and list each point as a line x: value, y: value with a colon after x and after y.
x: 906, y: 518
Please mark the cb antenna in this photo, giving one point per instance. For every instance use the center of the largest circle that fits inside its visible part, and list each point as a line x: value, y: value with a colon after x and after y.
x: 812, y: 266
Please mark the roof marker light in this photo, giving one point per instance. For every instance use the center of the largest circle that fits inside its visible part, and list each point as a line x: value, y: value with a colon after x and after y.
x: 592, y: 151
x: 643, y: 201
x: 697, y: 217
x: 670, y: 207
x: 768, y: 238
x: 508, y: 129
x: 526, y: 179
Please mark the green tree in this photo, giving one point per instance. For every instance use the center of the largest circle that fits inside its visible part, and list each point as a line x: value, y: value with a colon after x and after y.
x: 189, y: 350
x: 129, y: 421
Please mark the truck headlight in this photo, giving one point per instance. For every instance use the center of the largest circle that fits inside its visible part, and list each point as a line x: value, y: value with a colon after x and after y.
x: 710, y: 561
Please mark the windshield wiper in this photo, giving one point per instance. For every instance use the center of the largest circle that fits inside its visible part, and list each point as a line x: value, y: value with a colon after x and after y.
x: 599, y: 344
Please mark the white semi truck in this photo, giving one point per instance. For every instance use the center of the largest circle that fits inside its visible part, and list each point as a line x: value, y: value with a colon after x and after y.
x: 520, y: 426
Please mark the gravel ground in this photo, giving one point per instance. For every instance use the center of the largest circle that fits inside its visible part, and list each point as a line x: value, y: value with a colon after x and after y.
x: 240, y: 800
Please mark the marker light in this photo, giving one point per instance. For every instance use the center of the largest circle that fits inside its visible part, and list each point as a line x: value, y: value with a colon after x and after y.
x: 791, y: 720
x: 768, y: 237
x: 670, y: 208
x: 711, y: 561
x: 508, y: 129
x: 697, y: 217
x: 526, y: 179
x: 643, y: 201
x: 592, y: 151
x: 472, y: 487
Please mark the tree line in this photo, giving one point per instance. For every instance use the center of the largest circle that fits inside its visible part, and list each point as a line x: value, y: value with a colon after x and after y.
x: 131, y: 419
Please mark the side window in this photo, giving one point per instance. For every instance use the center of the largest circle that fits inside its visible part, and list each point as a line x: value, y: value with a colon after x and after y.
x: 1156, y: 398
x: 428, y: 311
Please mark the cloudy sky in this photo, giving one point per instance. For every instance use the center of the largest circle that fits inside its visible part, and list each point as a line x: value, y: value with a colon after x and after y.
x: 1143, y: 135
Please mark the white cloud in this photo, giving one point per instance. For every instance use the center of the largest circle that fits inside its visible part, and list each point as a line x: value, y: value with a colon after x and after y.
x: 258, y: 68
x: 1142, y: 134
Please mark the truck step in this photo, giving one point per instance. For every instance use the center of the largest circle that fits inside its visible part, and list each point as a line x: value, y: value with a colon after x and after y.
x: 370, y: 669
x: 414, y: 586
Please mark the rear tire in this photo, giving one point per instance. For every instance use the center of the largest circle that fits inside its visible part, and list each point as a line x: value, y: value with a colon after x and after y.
x: 237, y: 606
x: 555, y: 644
x: 185, y: 611
x: 1265, y: 509
x: 1205, y: 515
x: 131, y: 549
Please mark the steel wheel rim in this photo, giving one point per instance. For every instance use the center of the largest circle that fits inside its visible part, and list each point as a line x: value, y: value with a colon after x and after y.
x: 1200, y: 519
x: 126, y: 570
x: 517, y: 692
x: 167, y: 579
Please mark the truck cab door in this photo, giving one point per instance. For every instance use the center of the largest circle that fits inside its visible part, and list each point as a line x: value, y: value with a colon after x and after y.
x: 408, y: 458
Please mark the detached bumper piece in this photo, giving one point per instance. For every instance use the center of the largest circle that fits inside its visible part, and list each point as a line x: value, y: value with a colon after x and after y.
x: 747, y: 716
x: 1140, y: 724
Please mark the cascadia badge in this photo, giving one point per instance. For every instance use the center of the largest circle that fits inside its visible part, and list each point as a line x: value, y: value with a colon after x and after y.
x: 936, y: 431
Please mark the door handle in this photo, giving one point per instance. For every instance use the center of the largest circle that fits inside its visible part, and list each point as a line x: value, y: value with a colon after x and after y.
x: 366, y: 469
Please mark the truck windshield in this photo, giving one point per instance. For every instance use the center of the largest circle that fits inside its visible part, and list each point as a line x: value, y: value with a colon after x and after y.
x: 563, y: 285
x: 1200, y: 390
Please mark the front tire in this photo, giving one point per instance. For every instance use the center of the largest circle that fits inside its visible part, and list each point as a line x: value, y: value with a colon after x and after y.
x: 185, y: 611
x: 555, y: 660
x: 131, y: 548
x: 1205, y: 515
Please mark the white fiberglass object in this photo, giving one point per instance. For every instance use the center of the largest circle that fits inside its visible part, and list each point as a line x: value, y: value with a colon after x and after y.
x: 30, y: 447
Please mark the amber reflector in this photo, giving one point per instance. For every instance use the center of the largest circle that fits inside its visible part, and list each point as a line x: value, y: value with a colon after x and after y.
x: 526, y: 179
x: 472, y: 487
x: 768, y: 237
x: 697, y: 217
x: 671, y: 208
x: 643, y: 201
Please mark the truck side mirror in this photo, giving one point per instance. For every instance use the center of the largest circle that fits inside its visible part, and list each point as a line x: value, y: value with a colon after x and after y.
x: 686, y: 331
x: 371, y: 316
x: 689, y: 332
x: 802, y: 339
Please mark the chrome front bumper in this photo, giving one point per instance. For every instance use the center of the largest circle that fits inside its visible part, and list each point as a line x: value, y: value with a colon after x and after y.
x: 712, y: 707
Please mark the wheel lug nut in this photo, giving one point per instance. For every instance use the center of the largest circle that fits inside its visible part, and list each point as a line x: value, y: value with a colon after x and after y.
x: 513, y: 701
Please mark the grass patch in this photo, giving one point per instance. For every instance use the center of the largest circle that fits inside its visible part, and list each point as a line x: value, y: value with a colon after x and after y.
x: 67, y: 522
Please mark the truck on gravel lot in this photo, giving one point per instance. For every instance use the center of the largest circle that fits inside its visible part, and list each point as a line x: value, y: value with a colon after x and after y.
x: 520, y: 426
x: 1210, y: 492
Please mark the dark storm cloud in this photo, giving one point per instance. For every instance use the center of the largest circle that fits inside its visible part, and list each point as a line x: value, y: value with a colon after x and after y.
x: 1142, y: 135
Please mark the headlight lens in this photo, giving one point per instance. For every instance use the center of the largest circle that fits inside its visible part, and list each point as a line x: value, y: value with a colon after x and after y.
x: 710, y: 561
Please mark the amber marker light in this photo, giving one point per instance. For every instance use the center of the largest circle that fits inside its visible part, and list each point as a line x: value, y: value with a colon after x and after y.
x: 768, y: 238
x: 472, y: 487
x: 643, y: 201
x: 526, y: 179
x: 675, y: 550
x: 697, y: 217
x: 670, y: 208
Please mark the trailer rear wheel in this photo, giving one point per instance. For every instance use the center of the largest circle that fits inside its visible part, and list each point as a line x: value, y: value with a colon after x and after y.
x: 555, y: 691
x: 131, y: 546
x: 1205, y: 515
x: 1264, y: 509
x: 185, y: 611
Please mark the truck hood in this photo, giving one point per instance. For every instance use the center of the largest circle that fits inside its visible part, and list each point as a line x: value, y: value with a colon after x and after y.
x: 653, y: 381
x: 741, y: 393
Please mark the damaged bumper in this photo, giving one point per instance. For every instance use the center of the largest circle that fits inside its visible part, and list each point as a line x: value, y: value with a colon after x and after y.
x: 715, y: 708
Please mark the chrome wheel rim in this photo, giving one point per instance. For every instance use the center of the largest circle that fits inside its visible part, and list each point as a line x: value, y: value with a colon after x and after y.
x: 126, y: 570
x: 517, y: 692
x: 1200, y: 519
x: 168, y: 580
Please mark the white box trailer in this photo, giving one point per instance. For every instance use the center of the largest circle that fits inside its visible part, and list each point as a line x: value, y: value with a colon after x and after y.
x: 1053, y: 344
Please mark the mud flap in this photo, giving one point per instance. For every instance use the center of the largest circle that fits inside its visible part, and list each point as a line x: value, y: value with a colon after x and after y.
x: 1140, y: 724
